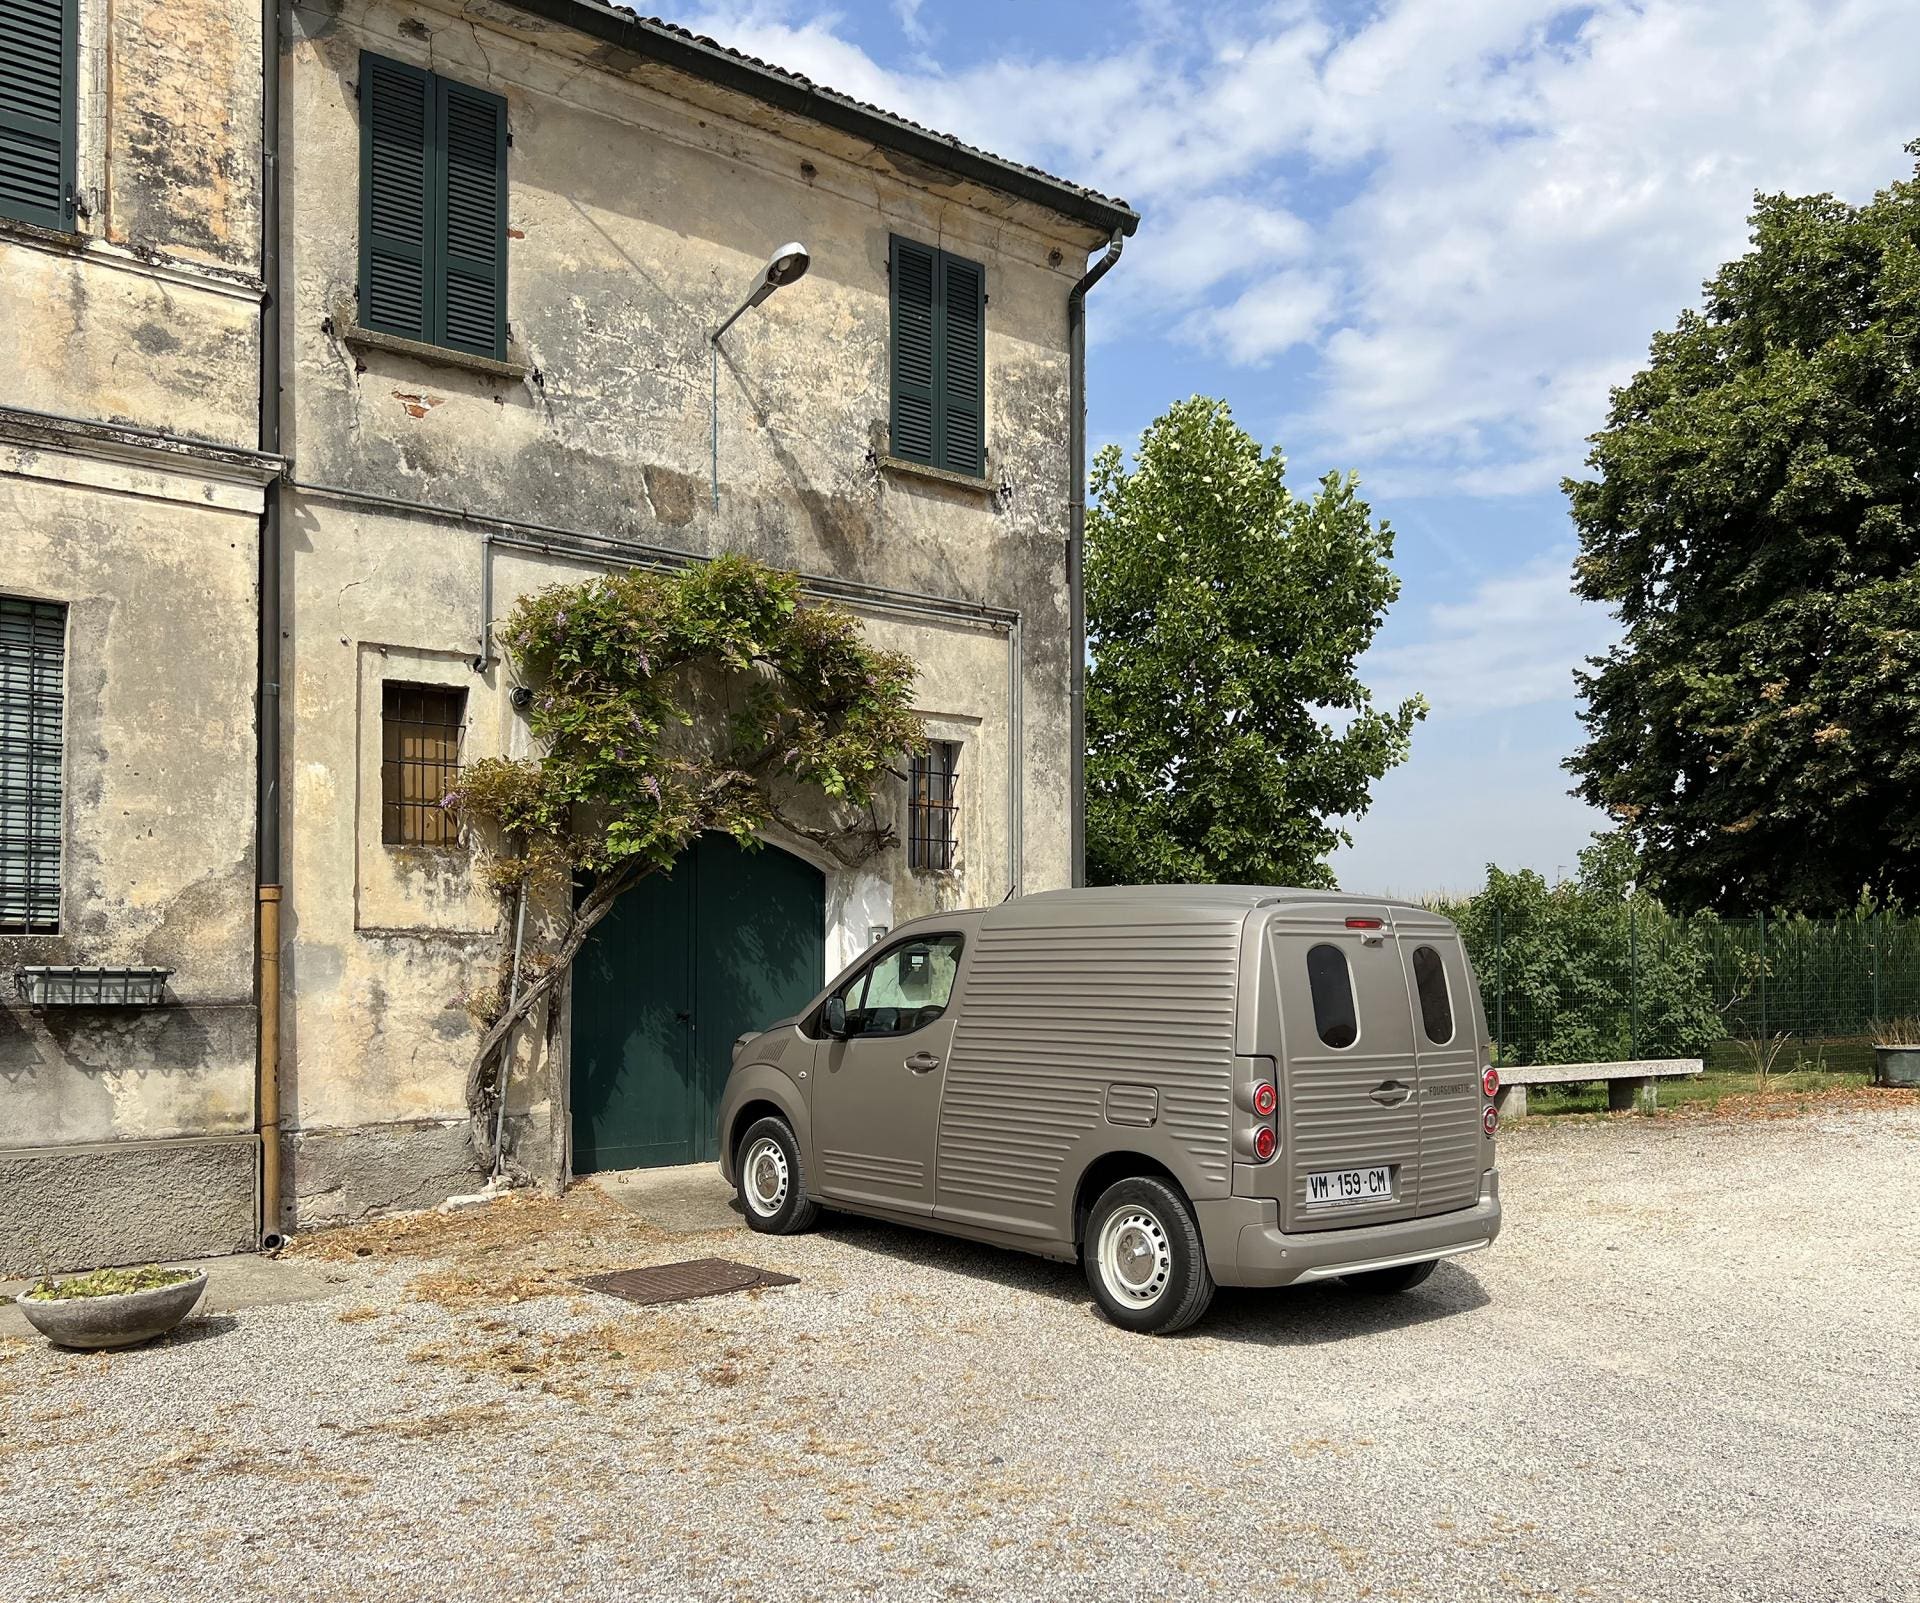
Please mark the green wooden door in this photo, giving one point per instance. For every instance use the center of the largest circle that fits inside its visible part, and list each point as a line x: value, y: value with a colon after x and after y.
x: 730, y: 941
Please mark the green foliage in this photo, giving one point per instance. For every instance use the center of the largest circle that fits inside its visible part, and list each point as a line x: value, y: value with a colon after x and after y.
x: 1754, y: 519
x: 1226, y: 724
x: 669, y: 705
x: 108, y: 1283
x: 1566, y: 960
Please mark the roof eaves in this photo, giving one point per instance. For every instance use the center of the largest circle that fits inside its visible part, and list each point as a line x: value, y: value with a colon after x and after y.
x: 701, y: 57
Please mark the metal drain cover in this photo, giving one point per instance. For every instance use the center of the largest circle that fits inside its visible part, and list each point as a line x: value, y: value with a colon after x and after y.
x: 682, y: 1282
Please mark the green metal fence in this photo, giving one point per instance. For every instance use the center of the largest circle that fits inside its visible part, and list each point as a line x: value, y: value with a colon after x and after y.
x: 1638, y: 982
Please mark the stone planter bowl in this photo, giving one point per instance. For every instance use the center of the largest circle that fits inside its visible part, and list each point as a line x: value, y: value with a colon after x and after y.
x: 1896, y: 1065
x: 118, y: 1321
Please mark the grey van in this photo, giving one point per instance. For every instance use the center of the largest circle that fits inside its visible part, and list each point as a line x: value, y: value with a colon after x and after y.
x: 1179, y: 1086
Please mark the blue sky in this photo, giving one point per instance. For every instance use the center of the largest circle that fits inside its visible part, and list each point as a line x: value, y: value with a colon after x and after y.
x: 1418, y: 240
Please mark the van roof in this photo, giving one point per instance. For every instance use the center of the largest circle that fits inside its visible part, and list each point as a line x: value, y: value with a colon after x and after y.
x: 1174, y: 900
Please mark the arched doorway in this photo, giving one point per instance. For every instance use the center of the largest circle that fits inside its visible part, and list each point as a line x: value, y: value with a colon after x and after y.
x: 731, y: 940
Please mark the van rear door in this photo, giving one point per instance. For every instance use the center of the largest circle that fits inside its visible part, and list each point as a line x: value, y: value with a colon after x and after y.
x: 1349, y: 1074
x: 1447, y: 1051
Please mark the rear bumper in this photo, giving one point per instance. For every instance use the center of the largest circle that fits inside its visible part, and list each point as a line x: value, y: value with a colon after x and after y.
x: 1246, y: 1247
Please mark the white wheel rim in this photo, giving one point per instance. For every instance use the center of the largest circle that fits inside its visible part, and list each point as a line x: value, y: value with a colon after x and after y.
x: 763, y: 1176
x: 1136, y: 1259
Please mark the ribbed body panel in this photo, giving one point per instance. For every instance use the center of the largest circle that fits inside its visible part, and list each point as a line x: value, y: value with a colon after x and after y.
x: 1055, y: 1016
x: 1333, y: 1123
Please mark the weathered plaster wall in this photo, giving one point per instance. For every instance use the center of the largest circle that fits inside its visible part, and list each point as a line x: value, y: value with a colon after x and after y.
x: 637, y: 222
x: 159, y: 799
x: 149, y: 312
x: 641, y: 209
x: 75, y: 1207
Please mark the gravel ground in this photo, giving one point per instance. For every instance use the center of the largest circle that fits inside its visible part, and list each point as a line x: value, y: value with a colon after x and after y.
x: 1687, y: 1370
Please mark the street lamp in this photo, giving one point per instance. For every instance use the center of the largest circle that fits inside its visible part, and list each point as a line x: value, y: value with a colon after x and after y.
x: 785, y: 265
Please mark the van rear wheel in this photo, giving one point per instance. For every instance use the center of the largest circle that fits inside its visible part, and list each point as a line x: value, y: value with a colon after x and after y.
x: 1144, y: 1258
x: 773, y: 1190
x: 1384, y: 1282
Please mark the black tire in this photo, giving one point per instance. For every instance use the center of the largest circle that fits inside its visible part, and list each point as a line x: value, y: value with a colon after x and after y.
x: 1384, y: 1282
x: 1173, y: 1285
x: 774, y: 1196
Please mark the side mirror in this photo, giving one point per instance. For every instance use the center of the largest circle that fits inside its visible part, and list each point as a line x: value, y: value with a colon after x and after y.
x: 834, y: 1017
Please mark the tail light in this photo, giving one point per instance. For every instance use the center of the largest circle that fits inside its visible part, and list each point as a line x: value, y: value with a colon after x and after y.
x: 1490, y: 1120
x: 1265, y: 1099
x: 1265, y: 1142
x: 1365, y: 923
x: 1490, y: 1080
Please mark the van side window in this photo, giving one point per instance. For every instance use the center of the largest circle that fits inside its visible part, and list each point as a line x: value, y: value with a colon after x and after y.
x: 1436, y: 1009
x: 1332, y: 984
x: 905, y: 989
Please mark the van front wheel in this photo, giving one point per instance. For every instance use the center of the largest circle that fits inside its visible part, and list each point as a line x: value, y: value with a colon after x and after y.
x: 773, y: 1191
x: 1144, y: 1258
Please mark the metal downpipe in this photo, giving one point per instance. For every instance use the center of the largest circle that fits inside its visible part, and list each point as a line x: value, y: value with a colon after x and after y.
x: 267, y: 801
x: 1076, y: 548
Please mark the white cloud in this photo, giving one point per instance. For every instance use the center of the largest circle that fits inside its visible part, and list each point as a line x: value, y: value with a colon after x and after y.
x: 907, y: 12
x: 1513, y: 642
x: 1527, y: 189
x: 1271, y: 316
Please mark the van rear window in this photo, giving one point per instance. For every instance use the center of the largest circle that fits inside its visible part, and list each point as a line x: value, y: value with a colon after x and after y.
x: 1436, y: 1009
x: 1332, y: 985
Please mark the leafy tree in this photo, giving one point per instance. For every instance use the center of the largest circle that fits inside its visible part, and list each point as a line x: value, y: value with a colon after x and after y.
x: 665, y: 707
x: 1226, y: 724
x: 1570, y: 960
x: 1754, y: 520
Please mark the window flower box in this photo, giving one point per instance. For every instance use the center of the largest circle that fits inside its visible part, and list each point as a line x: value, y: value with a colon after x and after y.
x: 47, y: 986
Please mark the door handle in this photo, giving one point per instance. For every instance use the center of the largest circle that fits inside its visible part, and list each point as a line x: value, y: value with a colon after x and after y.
x: 1390, y: 1093
x: 923, y: 1063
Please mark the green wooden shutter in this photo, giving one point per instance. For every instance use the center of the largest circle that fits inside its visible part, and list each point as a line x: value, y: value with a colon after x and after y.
x: 33, y: 645
x: 470, y: 220
x: 962, y: 431
x: 39, y: 73
x: 396, y: 167
x: 914, y: 346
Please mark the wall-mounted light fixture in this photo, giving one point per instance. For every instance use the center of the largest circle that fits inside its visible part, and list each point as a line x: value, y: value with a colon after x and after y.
x: 785, y: 265
x: 876, y: 933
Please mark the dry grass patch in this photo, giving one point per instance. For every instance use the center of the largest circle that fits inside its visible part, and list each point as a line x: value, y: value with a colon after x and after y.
x: 522, y: 1246
x: 470, y: 1419
x: 593, y: 1365
x: 1782, y: 1104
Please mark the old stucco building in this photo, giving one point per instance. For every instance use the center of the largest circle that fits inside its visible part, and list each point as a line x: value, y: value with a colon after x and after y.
x: 412, y: 326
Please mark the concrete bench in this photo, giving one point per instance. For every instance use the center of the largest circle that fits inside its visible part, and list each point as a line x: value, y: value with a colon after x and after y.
x: 1626, y: 1082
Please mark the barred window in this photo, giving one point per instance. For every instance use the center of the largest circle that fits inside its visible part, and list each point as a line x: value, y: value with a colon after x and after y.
x: 932, y: 806
x: 419, y: 757
x: 33, y: 650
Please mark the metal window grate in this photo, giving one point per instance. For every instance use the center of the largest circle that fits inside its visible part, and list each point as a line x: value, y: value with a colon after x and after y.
x: 931, y: 806
x: 33, y: 647
x: 419, y: 758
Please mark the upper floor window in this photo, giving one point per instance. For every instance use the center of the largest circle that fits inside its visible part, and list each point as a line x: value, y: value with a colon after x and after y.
x: 33, y: 652
x: 932, y: 806
x: 939, y: 358
x: 420, y: 728
x: 39, y: 70
x: 433, y: 208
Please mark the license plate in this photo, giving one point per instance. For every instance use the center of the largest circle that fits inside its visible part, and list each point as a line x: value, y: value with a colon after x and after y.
x: 1330, y: 1187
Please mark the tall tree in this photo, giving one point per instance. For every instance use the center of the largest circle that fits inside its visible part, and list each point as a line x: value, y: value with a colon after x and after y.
x: 1754, y: 520
x: 1227, y: 727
